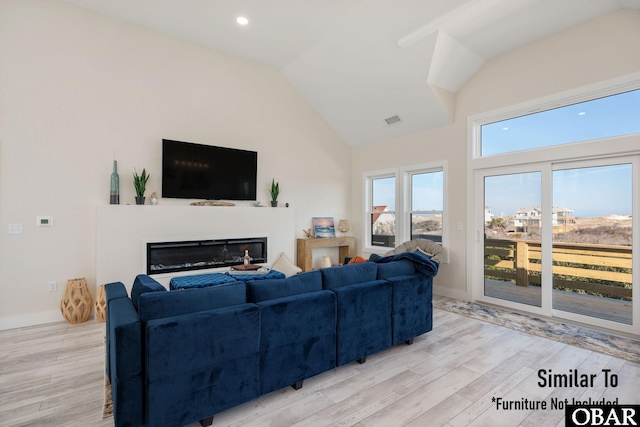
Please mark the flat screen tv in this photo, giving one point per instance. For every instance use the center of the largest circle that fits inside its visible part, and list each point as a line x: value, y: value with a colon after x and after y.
x: 197, y: 171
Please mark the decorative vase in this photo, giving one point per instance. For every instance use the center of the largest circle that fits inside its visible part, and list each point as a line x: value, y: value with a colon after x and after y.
x: 274, y: 203
x: 326, y: 262
x: 77, y: 302
x: 140, y: 200
x: 115, y: 185
x: 101, y: 305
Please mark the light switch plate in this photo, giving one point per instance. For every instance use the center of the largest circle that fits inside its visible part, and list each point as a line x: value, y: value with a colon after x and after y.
x: 15, y: 228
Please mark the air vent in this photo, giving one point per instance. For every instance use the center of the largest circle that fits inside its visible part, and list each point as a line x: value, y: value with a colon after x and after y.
x: 393, y: 120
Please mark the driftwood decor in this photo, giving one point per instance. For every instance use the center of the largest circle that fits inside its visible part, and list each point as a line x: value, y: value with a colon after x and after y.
x: 212, y: 203
x: 77, y: 302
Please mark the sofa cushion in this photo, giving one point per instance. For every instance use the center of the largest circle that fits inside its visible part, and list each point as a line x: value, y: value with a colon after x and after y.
x: 155, y: 305
x: 300, y: 341
x: 335, y: 277
x: 262, y: 290
x: 195, y: 370
x: 142, y: 285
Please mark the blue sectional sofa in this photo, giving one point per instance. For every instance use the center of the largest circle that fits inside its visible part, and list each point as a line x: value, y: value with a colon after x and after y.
x: 175, y: 357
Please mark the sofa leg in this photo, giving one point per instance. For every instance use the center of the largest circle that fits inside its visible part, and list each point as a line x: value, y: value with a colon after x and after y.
x: 409, y: 342
x: 206, y: 421
x: 362, y: 360
x: 298, y: 385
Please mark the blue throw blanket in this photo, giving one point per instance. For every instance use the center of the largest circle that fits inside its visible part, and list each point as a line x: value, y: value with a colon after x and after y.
x: 423, y: 263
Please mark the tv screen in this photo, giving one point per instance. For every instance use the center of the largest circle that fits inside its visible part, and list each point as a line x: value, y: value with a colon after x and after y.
x: 196, y: 171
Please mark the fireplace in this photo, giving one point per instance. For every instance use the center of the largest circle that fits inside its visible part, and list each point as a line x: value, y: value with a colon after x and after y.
x: 168, y: 257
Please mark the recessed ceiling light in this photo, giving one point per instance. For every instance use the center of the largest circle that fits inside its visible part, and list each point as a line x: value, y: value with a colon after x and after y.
x: 242, y: 20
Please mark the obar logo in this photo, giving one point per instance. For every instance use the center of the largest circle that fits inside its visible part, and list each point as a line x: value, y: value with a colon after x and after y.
x: 602, y: 415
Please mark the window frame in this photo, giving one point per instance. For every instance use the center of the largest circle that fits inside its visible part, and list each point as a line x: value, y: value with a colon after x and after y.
x: 403, y: 203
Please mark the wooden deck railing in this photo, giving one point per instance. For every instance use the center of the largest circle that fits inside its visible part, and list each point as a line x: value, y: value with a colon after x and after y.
x: 575, y: 266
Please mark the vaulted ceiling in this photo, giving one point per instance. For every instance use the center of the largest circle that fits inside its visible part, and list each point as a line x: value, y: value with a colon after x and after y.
x: 359, y: 62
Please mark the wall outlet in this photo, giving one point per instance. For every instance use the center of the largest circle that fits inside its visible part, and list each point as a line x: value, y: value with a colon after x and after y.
x: 53, y: 286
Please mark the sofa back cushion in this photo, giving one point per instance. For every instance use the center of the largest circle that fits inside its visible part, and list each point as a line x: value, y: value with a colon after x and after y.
x: 335, y: 277
x: 156, y: 305
x: 263, y: 290
x: 142, y: 285
x: 401, y: 267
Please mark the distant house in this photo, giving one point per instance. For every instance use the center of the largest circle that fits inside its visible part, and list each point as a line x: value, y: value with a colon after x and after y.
x: 529, y: 220
x: 488, y: 216
x: 383, y: 226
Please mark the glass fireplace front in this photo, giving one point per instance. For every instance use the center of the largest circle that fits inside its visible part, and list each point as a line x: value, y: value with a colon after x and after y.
x: 168, y: 257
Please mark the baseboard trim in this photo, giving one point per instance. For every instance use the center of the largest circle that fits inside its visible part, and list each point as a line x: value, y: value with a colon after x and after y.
x: 450, y: 293
x: 32, y: 319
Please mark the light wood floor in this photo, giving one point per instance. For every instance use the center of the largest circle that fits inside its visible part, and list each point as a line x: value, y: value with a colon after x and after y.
x: 52, y: 375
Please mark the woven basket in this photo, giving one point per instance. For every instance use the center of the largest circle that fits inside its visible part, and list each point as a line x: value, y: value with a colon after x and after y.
x: 101, y: 305
x: 77, y: 302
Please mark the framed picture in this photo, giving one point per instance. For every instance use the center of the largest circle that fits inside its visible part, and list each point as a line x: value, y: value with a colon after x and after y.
x: 323, y: 226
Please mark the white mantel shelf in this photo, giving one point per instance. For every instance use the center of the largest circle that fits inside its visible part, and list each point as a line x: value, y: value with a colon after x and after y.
x: 122, y: 232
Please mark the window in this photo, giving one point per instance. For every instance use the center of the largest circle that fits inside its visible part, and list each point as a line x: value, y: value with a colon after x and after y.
x: 405, y: 204
x: 382, y: 212
x: 604, y: 117
x: 426, y: 205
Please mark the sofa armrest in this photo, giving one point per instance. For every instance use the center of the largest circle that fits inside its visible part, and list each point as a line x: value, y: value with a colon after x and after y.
x: 112, y: 291
x: 115, y: 290
x: 412, y: 306
x: 125, y: 360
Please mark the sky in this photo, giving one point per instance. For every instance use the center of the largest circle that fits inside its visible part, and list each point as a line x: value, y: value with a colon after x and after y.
x: 589, y: 192
x: 426, y: 191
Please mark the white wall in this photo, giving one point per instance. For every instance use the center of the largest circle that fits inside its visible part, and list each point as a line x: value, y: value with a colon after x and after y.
x: 598, y: 50
x: 78, y: 88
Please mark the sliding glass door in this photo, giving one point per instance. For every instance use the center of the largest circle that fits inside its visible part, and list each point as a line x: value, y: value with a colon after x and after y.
x: 512, y: 229
x: 593, y: 240
x: 557, y: 239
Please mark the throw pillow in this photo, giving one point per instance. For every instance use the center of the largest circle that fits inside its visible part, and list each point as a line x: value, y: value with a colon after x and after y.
x: 285, y: 266
x: 357, y: 259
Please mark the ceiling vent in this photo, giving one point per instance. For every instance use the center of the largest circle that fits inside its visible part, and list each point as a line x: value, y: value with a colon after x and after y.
x: 393, y: 120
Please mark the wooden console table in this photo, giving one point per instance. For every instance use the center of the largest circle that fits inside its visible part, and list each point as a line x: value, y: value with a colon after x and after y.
x: 346, y: 246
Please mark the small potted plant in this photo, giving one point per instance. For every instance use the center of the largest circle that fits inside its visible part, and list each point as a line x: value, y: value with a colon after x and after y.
x: 140, y: 183
x: 274, y: 191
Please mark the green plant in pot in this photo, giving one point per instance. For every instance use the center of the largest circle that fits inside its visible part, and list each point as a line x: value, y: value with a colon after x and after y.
x: 140, y: 184
x: 274, y: 191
